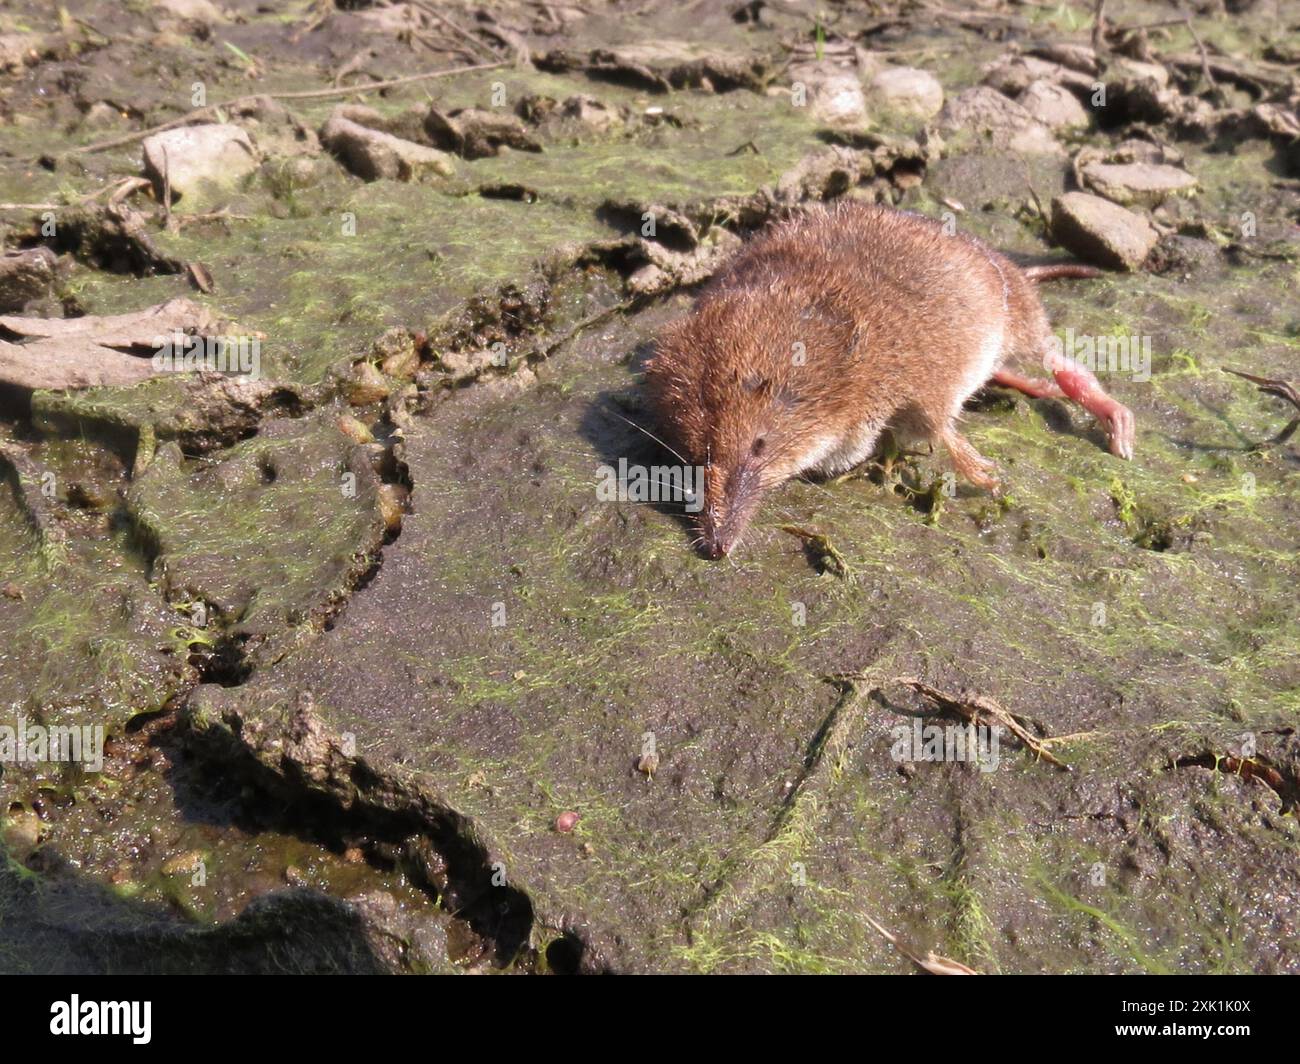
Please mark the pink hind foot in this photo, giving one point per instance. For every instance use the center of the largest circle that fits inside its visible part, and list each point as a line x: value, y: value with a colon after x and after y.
x: 1075, y: 381
x: 1079, y: 383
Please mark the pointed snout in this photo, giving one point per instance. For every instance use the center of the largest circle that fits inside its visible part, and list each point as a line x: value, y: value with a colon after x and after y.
x: 731, y: 506
x: 714, y: 546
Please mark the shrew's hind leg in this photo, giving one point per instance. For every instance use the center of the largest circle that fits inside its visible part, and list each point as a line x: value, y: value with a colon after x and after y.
x: 1034, y: 387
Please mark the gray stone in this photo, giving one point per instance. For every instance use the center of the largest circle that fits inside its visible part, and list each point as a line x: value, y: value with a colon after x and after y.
x: 374, y: 155
x: 1138, y: 184
x: 198, y: 160
x: 1053, y: 105
x: 1101, y: 232
x: 832, y: 94
x: 24, y: 276
x: 998, y: 122
x: 907, y: 90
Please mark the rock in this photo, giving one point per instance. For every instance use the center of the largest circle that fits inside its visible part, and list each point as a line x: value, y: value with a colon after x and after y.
x: 354, y: 429
x: 28, y: 49
x: 396, y: 354
x: 907, y: 90
x: 1078, y: 57
x: 366, y: 385
x: 1142, y: 151
x: 1101, y: 232
x: 833, y: 95
x: 1277, y: 121
x: 25, y: 276
x: 374, y: 155
x: 998, y: 121
x: 191, y: 10
x: 1053, y: 105
x: 1012, y: 75
x: 185, y: 863
x: 21, y: 831
x: 821, y: 174
x: 277, y: 131
x: 1137, y: 184
x: 590, y: 112
x: 477, y: 134
x: 1122, y: 69
x: 199, y: 160
x: 663, y: 65
x: 103, y: 115
x: 1186, y: 256
x: 392, y: 505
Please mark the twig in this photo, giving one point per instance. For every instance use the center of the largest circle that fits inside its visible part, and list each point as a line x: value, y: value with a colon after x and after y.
x: 1280, y: 388
x: 1205, y: 58
x: 314, y: 94
x: 428, y: 9
x: 128, y: 187
x: 1270, y: 386
x: 1099, y: 27
x: 167, y: 192
x: 29, y: 206
x: 931, y: 962
x: 976, y: 709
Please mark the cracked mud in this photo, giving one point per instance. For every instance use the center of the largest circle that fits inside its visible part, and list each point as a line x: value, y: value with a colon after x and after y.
x: 360, y: 639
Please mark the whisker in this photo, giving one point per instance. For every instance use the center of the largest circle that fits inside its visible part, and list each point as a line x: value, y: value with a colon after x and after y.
x: 648, y: 433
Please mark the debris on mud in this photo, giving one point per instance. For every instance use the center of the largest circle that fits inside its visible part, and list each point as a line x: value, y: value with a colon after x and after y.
x: 982, y: 710
x: 60, y: 353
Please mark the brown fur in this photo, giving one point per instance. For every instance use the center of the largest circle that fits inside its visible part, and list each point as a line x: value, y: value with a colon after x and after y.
x: 899, y: 324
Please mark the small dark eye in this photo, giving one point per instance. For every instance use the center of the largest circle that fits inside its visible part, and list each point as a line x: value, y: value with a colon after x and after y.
x: 759, y: 444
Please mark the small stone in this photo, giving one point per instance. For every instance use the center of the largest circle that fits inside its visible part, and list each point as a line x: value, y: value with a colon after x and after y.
x: 907, y: 90
x: 354, y: 429
x: 198, y: 161
x: 478, y: 134
x: 1013, y: 74
x: 566, y: 822
x: 590, y: 112
x: 1125, y: 69
x: 1053, y: 105
x: 1101, y: 232
x: 366, y: 385
x: 182, y: 863
x: 833, y: 95
x: 191, y: 10
x: 392, y: 505
x: 374, y: 155
x: 24, y: 276
x: 396, y: 354
x: 22, y: 830
x: 1001, y: 123
x: 1137, y: 184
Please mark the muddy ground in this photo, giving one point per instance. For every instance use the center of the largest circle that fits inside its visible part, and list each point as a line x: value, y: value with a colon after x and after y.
x: 358, y: 633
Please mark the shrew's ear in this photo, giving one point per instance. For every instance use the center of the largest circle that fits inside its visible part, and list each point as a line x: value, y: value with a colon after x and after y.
x: 760, y: 386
